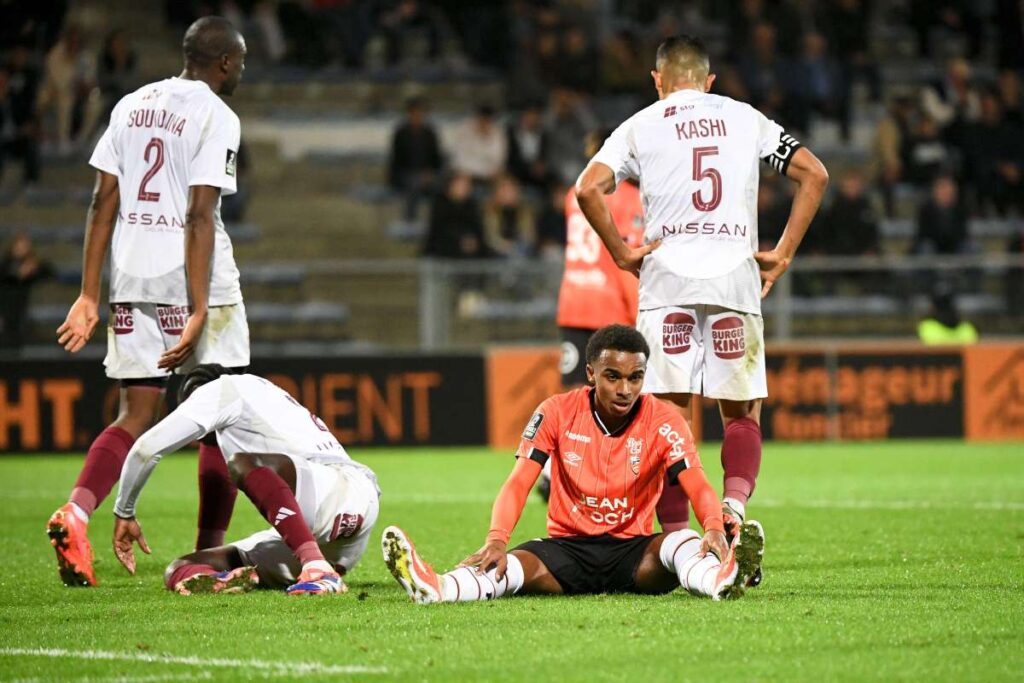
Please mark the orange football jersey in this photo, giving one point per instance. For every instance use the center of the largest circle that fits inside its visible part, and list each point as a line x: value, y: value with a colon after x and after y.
x: 605, y: 483
x: 595, y: 292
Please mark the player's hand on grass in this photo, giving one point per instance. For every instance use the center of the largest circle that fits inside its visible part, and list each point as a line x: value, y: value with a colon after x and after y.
x: 634, y: 258
x: 79, y: 324
x: 714, y: 542
x: 494, y: 555
x: 126, y: 533
x: 772, y: 264
x: 186, y: 346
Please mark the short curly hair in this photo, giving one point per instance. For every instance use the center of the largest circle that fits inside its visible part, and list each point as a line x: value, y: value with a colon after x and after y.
x: 616, y: 338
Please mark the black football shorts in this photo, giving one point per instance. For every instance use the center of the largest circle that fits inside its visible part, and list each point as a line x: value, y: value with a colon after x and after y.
x: 594, y: 564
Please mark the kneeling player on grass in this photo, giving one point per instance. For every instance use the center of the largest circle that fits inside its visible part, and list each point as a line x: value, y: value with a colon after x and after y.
x: 321, y: 503
x: 611, y: 449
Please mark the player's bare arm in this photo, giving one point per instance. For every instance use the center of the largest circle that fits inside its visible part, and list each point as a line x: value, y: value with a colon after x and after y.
x: 811, y: 178
x: 82, y: 318
x: 508, y: 508
x: 596, y: 181
x: 199, y: 239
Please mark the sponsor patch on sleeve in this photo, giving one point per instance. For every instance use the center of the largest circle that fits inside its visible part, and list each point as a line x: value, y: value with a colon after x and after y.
x: 232, y: 163
x: 532, y: 426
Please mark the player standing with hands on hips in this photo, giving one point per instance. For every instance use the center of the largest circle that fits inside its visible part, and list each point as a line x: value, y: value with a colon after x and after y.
x: 162, y: 165
x: 701, y: 277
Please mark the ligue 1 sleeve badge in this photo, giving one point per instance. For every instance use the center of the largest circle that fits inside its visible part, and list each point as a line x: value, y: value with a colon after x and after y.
x: 634, y: 446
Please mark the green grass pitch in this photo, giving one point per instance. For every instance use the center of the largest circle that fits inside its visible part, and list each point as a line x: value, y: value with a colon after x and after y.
x: 894, y: 561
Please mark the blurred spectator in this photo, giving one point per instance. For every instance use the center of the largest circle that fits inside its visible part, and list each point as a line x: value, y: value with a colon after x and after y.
x: 69, y: 88
x: 117, y: 72
x: 567, y: 122
x: 479, y: 147
x: 954, y: 16
x: 772, y: 213
x: 509, y: 228
x: 748, y: 15
x: 1010, y: 97
x: 624, y: 68
x: 527, y: 143
x: 456, y: 229
x: 578, y: 62
x: 767, y: 77
x: 1015, y: 276
x: 846, y: 24
x: 943, y: 324
x: 819, y: 85
x: 1009, y: 23
x: 415, y: 158
x: 411, y: 31
x: 952, y: 102
x: 849, y: 226
x: 994, y: 159
x: 926, y: 153
x: 942, y: 221
x: 260, y: 23
x: 19, y: 129
x: 551, y: 223
x: 20, y: 269
x: 890, y: 144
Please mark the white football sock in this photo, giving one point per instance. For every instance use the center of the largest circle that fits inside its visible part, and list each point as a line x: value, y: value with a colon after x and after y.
x: 80, y: 513
x: 465, y: 585
x: 680, y: 554
x: 322, y: 565
x: 739, y: 507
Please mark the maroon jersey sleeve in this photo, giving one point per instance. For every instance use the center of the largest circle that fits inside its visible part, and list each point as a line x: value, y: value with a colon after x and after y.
x: 540, y: 437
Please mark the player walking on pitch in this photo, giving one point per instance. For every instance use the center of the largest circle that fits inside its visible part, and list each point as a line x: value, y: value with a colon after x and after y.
x: 321, y: 503
x: 701, y: 278
x: 612, y: 450
x: 162, y: 165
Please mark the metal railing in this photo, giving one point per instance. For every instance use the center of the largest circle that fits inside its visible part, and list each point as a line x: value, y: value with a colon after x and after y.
x: 463, y: 303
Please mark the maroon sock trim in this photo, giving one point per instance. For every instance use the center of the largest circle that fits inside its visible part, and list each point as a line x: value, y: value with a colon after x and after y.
x: 186, y: 571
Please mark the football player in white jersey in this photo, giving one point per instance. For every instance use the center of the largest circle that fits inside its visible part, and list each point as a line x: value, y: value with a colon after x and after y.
x: 321, y: 503
x: 702, y: 279
x: 162, y: 165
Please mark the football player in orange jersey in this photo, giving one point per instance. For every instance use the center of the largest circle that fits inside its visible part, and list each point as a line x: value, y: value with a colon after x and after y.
x: 612, y: 450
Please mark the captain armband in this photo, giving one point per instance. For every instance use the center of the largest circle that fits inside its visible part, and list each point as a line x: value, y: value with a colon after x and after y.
x: 783, y: 154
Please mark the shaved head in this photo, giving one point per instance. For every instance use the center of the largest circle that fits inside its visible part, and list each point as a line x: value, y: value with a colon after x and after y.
x: 209, y: 40
x: 683, y: 59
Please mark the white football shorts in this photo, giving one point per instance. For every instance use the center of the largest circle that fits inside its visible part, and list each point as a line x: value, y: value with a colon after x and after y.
x: 137, y: 333
x: 339, y: 502
x: 709, y: 350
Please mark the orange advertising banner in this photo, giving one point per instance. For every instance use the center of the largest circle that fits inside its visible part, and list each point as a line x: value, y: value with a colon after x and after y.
x: 994, y: 401
x: 517, y: 380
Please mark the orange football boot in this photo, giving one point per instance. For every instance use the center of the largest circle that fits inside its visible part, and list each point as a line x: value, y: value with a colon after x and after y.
x: 69, y: 538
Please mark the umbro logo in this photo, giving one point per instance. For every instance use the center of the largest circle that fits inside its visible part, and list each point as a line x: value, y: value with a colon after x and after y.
x: 572, y: 459
x: 282, y: 514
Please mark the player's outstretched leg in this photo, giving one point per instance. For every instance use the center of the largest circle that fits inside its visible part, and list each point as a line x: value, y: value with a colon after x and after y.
x: 708, y: 576
x: 463, y: 584
x: 214, y: 570
x: 269, y: 481
x: 68, y: 526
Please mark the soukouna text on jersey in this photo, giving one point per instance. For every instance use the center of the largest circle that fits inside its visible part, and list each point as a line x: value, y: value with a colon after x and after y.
x: 157, y: 118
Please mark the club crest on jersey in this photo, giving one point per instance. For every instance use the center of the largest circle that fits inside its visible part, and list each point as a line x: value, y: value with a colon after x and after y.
x: 532, y: 426
x: 232, y: 163
x: 634, y: 446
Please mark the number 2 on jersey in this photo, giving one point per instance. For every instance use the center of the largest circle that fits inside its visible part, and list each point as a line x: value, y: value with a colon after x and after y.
x: 157, y: 147
x: 700, y: 173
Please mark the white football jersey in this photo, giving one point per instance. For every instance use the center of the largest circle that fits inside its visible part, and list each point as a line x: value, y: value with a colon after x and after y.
x: 696, y: 156
x: 252, y: 415
x: 162, y: 139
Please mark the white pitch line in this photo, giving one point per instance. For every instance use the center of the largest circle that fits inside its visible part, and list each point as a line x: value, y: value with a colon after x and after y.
x: 284, y: 668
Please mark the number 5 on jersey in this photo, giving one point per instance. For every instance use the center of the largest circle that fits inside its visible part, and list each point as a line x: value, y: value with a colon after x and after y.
x: 700, y: 174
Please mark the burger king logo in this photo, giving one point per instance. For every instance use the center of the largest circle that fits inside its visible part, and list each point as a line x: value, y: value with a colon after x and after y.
x: 728, y: 338
x: 124, y: 321
x: 676, y: 330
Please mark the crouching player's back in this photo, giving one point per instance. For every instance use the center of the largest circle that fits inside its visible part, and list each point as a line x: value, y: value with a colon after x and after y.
x: 612, y: 450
